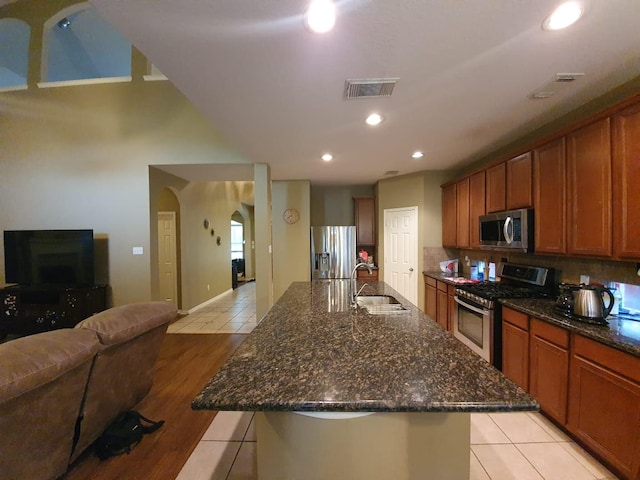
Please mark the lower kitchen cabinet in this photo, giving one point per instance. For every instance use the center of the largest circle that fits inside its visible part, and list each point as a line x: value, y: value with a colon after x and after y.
x: 431, y: 297
x: 604, y: 404
x: 442, y: 316
x: 364, y: 275
x: 549, y: 368
x: 515, y: 347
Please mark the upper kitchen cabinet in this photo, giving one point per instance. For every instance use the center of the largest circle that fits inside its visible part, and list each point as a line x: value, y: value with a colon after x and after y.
x: 462, y: 213
x: 476, y: 207
x: 589, y: 190
x: 519, y: 182
x: 365, y: 217
x: 549, y: 197
x: 496, y: 178
x: 626, y: 172
x: 449, y: 216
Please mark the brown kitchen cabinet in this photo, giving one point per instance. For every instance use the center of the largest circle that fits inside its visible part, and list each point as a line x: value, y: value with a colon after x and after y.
x: 365, y: 218
x: 549, y: 197
x: 476, y: 207
x: 442, y: 316
x: 449, y: 216
x: 496, y: 178
x: 462, y: 213
x: 452, y: 309
x: 518, y: 182
x: 515, y: 347
x: 364, y: 275
x: 589, y: 190
x: 625, y: 174
x: 431, y: 297
x: 549, y: 368
x: 604, y: 403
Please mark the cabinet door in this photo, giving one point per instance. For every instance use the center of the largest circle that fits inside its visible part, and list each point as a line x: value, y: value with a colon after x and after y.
x: 462, y: 213
x: 449, y: 216
x: 496, y: 188
x: 515, y: 354
x: 549, y: 197
x: 431, y: 301
x: 519, y: 182
x: 549, y: 368
x: 443, y: 310
x: 476, y: 207
x: 589, y: 190
x: 626, y: 173
x: 604, y: 407
x: 452, y: 308
x: 365, y: 217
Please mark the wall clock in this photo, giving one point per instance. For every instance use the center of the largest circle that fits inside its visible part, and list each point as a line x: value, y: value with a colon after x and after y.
x: 291, y: 215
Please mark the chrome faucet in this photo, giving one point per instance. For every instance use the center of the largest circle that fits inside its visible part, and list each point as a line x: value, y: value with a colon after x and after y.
x: 352, y: 283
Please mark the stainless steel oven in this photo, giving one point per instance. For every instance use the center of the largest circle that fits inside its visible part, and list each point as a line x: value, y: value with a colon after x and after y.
x: 473, y: 325
x: 477, y: 320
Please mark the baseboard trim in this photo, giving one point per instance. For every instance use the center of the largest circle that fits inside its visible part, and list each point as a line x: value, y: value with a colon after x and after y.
x: 204, y: 304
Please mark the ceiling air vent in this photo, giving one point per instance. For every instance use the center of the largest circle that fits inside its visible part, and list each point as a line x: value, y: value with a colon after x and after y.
x: 371, y: 87
x: 559, y: 82
x: 391, y: 173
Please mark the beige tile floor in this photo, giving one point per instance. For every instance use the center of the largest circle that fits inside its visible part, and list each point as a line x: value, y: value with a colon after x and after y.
x: 504, y: 446
x: 231, y: 312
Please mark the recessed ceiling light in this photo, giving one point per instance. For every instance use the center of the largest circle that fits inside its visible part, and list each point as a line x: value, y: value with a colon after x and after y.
x: 417, y: 154
x: 327, y: 157
x: 374, y: 119
x: 565, y: 15
x: 321, y: 16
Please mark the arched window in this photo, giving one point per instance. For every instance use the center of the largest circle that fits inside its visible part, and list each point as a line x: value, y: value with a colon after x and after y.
x: 14, y: 54
x: 79, y: 44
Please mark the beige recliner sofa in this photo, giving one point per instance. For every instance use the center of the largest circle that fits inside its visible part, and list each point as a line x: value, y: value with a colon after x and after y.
x: 71, y: 383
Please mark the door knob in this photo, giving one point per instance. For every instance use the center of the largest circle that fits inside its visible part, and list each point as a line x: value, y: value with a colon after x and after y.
x: 411, y: 269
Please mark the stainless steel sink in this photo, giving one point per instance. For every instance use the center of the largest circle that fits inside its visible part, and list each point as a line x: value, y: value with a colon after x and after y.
x: 380, y: 304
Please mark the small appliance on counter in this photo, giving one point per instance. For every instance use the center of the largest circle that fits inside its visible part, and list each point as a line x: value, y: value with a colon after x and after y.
x: 585, y: 303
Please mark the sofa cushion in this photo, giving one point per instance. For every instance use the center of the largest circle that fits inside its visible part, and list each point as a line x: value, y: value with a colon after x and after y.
x: 119, y: 324
x: 32, y: 361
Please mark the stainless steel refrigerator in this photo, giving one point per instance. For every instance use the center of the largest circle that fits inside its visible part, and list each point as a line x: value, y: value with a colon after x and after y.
x: 333, y: 252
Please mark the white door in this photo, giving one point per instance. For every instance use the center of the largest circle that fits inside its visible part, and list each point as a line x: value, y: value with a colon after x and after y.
x: 401, y: 251
x: 167, y: 256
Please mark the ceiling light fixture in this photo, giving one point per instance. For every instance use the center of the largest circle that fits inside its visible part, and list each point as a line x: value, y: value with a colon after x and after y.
x: 327, y: 157
x: 374, y: 119
x: 565, y: 15
x: 417, y: 154
x: 321, y: 16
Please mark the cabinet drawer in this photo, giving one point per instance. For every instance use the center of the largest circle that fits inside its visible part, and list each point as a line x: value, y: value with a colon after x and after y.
x: 442, y: 286
x: 615, y: 360
x: 552, y: 334
x: 432, y: 282
x: 365, y: 275
x: 518, y: 319
x: 451, y: 289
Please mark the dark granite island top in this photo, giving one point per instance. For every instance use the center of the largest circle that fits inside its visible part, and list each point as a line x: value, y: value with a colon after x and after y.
x: 311, y: 353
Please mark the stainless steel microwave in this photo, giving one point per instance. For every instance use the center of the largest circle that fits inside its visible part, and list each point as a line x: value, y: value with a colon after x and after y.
x: 510, y: 230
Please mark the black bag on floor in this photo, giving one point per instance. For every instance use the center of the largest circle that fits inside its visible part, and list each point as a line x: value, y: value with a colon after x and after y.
x: 124, y: 433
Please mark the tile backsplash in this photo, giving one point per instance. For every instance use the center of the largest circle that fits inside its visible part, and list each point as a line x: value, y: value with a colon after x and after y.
x: 567, y: 269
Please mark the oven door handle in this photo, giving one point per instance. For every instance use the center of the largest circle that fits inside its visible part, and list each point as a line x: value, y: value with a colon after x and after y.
x: 472, y: 308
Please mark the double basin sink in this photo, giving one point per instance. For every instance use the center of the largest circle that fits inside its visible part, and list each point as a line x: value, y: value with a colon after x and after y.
x: 380, y: 304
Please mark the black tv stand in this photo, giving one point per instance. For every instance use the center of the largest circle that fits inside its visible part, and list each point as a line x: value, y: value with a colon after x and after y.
x: 33, y: 309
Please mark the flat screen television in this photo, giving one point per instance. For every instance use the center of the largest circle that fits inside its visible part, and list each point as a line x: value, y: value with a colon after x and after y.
x: 49, y: 257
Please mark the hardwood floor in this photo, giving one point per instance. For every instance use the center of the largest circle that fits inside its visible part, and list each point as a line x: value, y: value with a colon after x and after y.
x: 185, y: 364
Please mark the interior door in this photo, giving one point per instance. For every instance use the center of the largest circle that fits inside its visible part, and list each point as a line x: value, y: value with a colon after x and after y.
x: 401, y: 251
x: 167, y: 257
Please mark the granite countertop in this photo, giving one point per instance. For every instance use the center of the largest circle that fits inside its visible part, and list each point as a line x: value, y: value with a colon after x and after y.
x: 444, y: 277
x: 311, y: 352
x: 621, y: 334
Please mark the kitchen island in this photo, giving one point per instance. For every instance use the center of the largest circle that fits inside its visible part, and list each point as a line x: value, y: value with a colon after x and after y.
x: 389, y: 395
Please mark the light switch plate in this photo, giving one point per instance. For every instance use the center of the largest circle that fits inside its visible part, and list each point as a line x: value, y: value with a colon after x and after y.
x: 138, y: 250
